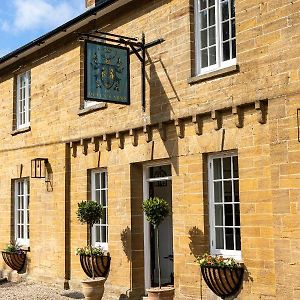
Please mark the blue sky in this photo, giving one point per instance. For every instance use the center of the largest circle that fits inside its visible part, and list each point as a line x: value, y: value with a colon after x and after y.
x: 22, y: 21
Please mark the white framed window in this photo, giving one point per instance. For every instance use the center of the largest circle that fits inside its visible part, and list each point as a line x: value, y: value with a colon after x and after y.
x: 23, y: 100
x: 215, y: 39
x: 224, y: 205
x: 21, y: 207
x: 99, y: 191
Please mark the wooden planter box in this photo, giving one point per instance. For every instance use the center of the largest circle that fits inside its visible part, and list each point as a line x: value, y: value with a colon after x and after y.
x: 223, y: 281
x: 14, y: 260
x: 101, y: 265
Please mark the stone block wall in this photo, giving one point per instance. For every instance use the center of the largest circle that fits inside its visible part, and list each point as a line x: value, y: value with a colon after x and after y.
x: 266, y: 141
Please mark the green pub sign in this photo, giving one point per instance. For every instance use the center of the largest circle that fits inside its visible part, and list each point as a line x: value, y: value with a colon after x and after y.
x: 106, y: 73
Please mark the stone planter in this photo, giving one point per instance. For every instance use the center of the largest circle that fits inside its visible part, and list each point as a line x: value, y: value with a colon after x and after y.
x: 165, y: 293
x: 93, y: 289
x: 223, y: 281
x: 101, y: 265
x: 14, y: 260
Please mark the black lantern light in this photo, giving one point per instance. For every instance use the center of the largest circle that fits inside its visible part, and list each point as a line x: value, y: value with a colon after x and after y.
x: 38, y: 167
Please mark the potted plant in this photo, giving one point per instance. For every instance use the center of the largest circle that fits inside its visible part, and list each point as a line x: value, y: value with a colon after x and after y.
x: 90, y: 213
x: 156, y: 210
x: 223, y: 276
x: 100, y: 261
x: 14, y: 256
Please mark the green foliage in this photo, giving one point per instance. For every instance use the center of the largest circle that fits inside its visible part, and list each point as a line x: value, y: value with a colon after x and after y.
x: 156, y: 209
x: 217, y: 261
x: 13, y: 247
x: 96, y: 251
x: 89, y: 212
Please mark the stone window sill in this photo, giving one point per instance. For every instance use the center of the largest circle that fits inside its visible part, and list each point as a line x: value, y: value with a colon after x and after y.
x: 20, y: 130
x: 213, y: 74
x: 90, y: 109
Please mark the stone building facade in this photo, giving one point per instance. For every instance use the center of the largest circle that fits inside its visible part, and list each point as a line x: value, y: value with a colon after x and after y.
x: 203, y: 117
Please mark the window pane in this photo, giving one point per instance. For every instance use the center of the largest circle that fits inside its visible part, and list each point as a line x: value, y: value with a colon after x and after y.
x: 227, y: 191
x: 203, y: 39
x: 22, y: 202
x: 203, y: 19
x: 103, y: 198
x: 218, y: 191
x: 219, y: 238
x: 225, y: 27
x: 160, y: 171
x: 212, y: 36
x: 103, y: 180
x: 237, y: 214
x: 211, y: 2
x: 219, y: 215
x: 202, y: 4
x: 236, y: 191
x: 234, y: 49
x: 22, y: 231
x: 232, y: 28
x: 204, y: 58
x: 103, y: 234
x: 226, y: 51
x: 97, y: 197
x: 238, y: 239
x: 97, y: 180
x: 217, y: 168
x: 235, y: 167
x: 232, y: 4
x: 211, y: 16
x: 229, y: 238
x: 227, y: 167
x: 97, y: 234
x: 225, y: 10
x: 228, y: 215
x: 212, y: 56
x: 104, y: 220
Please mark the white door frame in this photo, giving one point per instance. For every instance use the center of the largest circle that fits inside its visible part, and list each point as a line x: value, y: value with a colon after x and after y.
x: 147, y: 242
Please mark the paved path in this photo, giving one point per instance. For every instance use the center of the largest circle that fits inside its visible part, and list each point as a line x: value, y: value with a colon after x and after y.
x: 34, y: 291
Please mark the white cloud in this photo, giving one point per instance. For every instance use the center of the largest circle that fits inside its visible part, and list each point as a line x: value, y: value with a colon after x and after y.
x: 41, y: 14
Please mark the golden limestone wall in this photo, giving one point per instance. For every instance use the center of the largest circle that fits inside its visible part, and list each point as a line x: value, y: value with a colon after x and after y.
x: 268, y: 56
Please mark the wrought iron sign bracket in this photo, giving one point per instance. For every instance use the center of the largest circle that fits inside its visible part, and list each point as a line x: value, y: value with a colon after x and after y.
x: 137, y: 48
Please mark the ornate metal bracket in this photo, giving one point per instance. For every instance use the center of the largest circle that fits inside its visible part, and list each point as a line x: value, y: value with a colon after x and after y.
x: 135, y: 46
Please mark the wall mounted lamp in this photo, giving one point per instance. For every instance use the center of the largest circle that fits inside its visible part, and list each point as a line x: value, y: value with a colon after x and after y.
x: 39, y: 168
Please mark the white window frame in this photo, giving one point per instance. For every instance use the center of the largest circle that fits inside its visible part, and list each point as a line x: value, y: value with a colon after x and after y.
x: 220, y: 64
x: 23, y: 117
x: 237, y: 254
x: 24, y: 193
x: 103, y: 245
x: 90, y: 103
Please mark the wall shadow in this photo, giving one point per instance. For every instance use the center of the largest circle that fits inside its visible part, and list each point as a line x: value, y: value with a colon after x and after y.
x: 197, y: 241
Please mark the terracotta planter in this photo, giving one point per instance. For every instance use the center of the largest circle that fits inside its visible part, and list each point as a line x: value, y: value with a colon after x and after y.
x: 223, y: 281
x: 14, y: 260
x: 165, y: 293
x: 93, y: 289
x: 101, y: 265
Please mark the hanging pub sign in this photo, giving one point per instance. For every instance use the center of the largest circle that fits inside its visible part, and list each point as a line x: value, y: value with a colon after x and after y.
x: 107, y: 75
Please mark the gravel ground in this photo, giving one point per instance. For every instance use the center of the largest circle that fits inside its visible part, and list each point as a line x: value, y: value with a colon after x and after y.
x: 34, y: 291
